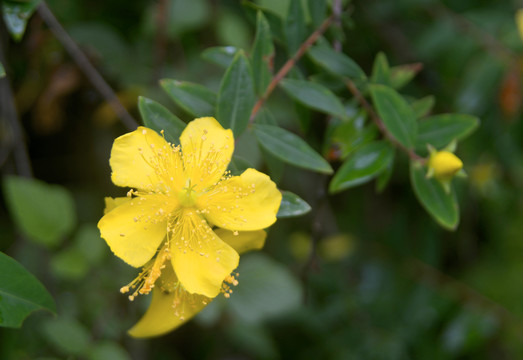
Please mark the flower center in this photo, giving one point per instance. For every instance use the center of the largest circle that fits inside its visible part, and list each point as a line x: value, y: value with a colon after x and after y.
x: 188, y: 196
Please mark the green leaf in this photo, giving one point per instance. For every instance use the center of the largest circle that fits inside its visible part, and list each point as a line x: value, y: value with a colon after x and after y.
x: 262, y: 54
x: 290, y: 148
x: 381, y: 70
x: 275, y: 165
x: 157, y: 117
x: 295, y: 29
x: 314, y: 96
x: 423, y: 107
x: 362, y: 166
x: 440, y: 130
x: 336, y: 63
x: 266, y: 290
x: 220, y: 55
x: 275, y: 21
x: 265, y: 116
x: 238, y: 165
x: 16, y: 15
x: 196, y: 99
x: 402, y: 75
x: 87, y: 241
x: 44, y: 213
x: 2, y: 70
x: 318, y: 11
x: 67, y: 335
x: 292, y: 205
x: 236, y: 96
x: 383, y: 179
x: 442, y: 206
x: 396, y: 114
x: 20, y: 293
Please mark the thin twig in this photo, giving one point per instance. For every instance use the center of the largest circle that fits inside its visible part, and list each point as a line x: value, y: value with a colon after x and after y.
x: 379, y: 123
x: 289, y: 65
x: 8, y: 112
x: 84, y: 64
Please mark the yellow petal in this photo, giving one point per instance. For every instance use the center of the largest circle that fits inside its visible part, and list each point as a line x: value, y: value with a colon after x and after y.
x: 112, y: 203
x: 243, y: 241
x: 207, y: 149
x: 171, y: 306
x: 519, y: 22
x: 142, y: 159
x: 135, y: 229
x: 201, y: 260
x: 246, y: 202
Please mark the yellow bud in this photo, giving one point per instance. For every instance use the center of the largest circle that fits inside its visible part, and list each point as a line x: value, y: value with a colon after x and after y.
x: 443, y: 165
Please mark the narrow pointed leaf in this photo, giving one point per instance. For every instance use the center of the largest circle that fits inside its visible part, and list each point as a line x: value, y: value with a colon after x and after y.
x: 157, y: 117
x: 16, y: 15
x: 290, y: 148
x: 423, y: 107
x: 318, y: 10
x: 220, y: 55
x: 20, y: 293
x: 381, y: 70
x: 295, y: 29
x: 2, y: 71
x: 236, y: 96
x: 440, y: 130
x: 275, y: 21
x: 336, y: 63
x: 442, y: 206
x: 292, y: 205
x: 262, y: 54
x: 196, y: 99
x: 314, y: 96
x: 362, y: 166
x: 396, y: 114
x: 44, y: 213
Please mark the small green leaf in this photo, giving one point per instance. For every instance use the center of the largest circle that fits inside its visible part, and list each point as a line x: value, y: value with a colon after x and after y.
x: 396, y: 114
x: 423, y: 107
x: 295, y: 29
x: 275, y: 165
x: 440, y: 130
x: 275, y: 21
x: 196, y: 99
x: 16, y: 15
x: 362, y: 166
x: 265, y: 116
x: 442, y: 206
x: 87, y: 241
x: 381, y: 70
x: 2, y: 71
x: 20, y: 293
x: 401, y: 75
x: 262, y: 54
x: 336, y: 63
x: 292, y: 205
x: 383, y: 179
x: 220, y: 55
x: 157, y: 117
x: 290, y: 148
x: 236, y: 96
x: 314, y: 96
x: 67, y: 335
x: 266, y: 290
x: 108, y: 350
x: 44, y: 213
x: 318, y: 11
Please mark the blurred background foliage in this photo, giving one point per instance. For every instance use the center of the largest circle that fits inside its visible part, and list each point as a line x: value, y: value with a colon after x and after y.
x: 362, y: 276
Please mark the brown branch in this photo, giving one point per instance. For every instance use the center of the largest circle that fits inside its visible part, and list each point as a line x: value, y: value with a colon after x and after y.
x: 87, y: 68
x: 289, y: 65
x: 379, y: 123
x: 8, y: 112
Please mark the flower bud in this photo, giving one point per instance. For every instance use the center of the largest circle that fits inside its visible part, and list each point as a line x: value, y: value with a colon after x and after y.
x: 443, y: 165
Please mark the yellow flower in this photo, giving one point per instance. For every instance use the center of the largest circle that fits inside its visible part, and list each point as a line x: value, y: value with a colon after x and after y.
x: 160, y: 317
x: 179, y: 194
x: 444, y: 165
